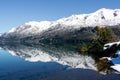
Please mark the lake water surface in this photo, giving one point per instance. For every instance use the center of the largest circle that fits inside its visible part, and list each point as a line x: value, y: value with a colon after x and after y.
x: 51, y: 62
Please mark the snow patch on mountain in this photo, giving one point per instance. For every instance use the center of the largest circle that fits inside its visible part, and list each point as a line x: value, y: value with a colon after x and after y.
x: 12, y: 30
x: 43, y: 25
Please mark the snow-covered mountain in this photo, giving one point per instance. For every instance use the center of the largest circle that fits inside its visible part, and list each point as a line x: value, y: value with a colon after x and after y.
x: 102, y: 17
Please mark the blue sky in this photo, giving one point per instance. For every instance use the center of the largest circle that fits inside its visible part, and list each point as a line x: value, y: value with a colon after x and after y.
x: 14, y: 13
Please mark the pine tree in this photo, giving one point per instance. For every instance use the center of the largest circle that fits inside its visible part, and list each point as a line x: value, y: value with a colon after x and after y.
x: 105, y: 35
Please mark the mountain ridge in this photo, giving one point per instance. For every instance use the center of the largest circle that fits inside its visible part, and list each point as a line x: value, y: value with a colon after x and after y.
x: 102, y: 17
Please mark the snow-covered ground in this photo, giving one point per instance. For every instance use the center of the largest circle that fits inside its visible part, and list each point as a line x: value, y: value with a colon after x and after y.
x: 108, y: 45
x: 116, y: 67
x: 116, y: 61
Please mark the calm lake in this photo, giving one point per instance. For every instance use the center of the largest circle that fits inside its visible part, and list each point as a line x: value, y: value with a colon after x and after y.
x: 51, y: 62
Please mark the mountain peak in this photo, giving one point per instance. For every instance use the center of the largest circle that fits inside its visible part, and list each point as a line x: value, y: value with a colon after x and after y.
x: 104, y: 9
x: 108, y: 11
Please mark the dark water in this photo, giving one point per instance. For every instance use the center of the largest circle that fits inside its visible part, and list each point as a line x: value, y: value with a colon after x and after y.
x: 51, y: 62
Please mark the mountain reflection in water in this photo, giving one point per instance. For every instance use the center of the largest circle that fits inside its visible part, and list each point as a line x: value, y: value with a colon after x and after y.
x: 71, y: 65
x: 48, y: 53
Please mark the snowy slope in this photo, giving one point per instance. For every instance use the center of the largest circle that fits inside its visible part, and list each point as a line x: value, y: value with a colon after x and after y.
x: 30, y: 28
x: 102, y: 17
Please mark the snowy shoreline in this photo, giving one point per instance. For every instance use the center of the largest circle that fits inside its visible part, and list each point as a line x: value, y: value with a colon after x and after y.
x: 116, y: 61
